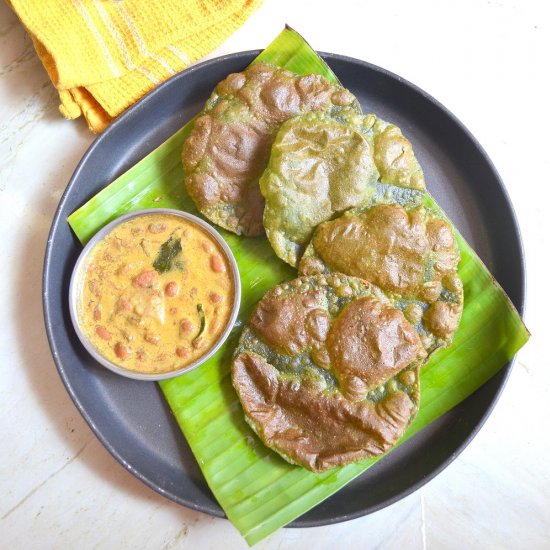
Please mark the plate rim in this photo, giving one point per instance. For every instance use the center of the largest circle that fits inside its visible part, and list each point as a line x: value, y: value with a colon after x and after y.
x: 121, y: 121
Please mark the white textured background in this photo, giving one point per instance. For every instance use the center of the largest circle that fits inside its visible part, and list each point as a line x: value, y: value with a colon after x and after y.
x: 487, y: 61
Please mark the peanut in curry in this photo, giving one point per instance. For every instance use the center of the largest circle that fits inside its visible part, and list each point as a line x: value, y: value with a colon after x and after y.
x: 157, y: 294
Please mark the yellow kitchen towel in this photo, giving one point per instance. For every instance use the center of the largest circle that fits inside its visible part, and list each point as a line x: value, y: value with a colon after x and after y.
x: 103, y: 55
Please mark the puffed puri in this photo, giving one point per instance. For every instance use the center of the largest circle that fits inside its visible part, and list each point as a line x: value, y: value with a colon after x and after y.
x: 327, y: 371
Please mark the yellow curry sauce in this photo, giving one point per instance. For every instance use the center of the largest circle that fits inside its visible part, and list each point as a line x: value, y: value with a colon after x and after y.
x: 157, y: 294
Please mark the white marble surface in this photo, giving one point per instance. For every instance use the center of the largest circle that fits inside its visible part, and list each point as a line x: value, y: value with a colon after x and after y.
x: 487, y: 61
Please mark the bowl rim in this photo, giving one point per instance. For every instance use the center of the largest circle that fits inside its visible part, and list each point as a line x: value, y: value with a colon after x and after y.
x: 77, y: 276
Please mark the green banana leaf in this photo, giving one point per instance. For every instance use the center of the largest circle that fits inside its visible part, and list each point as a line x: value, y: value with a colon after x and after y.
x: 258, y: 490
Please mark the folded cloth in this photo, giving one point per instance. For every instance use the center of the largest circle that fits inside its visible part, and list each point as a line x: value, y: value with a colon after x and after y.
x: 103, y: 55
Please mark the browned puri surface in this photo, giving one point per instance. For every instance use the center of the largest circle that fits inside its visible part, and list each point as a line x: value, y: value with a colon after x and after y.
x: 408, y: 252
x: 368, y: 343
x: 228, y: 148
x: 327, y: 371
x: 316, y: 430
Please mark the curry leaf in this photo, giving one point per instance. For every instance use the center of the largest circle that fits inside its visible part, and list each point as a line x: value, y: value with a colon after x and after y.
x: 202, y: 321
x: 167, y: 257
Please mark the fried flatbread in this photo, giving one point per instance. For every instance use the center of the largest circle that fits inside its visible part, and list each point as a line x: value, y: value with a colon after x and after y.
x: 321, y: 166
x: 327, y: 371
x: 228, y: 147
x: 408, y: 252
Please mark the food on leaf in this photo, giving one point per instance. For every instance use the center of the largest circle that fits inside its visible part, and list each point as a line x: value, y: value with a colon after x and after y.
x: 318, y: 168
x: 409, y: 252
x: 321, y: 166
x: 327, y: 371
x: 228, y: 147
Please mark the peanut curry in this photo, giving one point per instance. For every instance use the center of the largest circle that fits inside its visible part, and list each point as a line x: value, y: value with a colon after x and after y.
x: 157, y: 294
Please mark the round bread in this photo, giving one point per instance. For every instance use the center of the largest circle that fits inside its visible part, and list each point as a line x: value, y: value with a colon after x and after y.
x: 408, y: 252
x: 228, y: 147
x: 321, y: 166
x: 327, y: 371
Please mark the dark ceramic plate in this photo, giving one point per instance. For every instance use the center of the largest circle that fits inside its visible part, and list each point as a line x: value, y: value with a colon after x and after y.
x: 132, y: 419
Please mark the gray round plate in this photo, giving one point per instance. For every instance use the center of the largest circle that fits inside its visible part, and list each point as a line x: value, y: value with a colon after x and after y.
x: 132, y: 419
